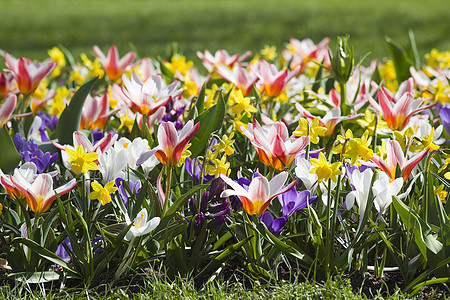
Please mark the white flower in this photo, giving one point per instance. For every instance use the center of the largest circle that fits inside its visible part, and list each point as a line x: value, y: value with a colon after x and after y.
x: 111, y: 165
x: 140, y: 225
x: 302, y: 171
x: 383, y: 190
x: 361, y: 181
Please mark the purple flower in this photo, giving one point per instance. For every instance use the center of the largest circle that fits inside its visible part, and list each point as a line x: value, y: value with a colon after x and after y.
x: 97, y: 135
x: 31, y: 153
x: 197, y: 169
x: 352, y: 168
x: 291, y: 201
x: 274, y: 226
x: 134, y: 188
x: 445, y: 117
x: 62, y: 252
x: 48, y: 121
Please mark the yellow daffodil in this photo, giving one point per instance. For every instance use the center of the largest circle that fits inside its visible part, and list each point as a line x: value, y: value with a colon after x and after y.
x: 81, y: 161
x: 218, y: 166
x: 359, y: 147
x: 102, y: 194
x: 323, y: 170
x: 387, y: 73
x: 442, y: 194
x: 179, y: 63
x: 241, y: 104
x: 369, y: 122
x: 269, y: 52
x: 315, y: 129
x: 225, y: 144
x: 342, y: 139
x: 436, y: 59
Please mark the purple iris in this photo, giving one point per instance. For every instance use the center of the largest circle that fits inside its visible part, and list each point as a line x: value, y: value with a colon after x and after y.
x: 191, y: 169
x: 445, y: 117
x: 274, y: 225
x: 291, y: 201
x: 134, y: 188
x: 48, y: 121
x: 31, y: 153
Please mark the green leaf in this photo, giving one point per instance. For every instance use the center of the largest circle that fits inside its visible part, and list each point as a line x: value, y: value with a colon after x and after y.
x: 401, y: 60
x: 45, y: 253
x: 10, y: 158
x: 423, y: 235
x: 36, y: 277
x: 210, y: 120
x: 71, y: 116
x: 199, y: 104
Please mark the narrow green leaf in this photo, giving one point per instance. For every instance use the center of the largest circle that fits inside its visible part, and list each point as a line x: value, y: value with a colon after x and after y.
x: 401, y: 60
x: 10, y: 158
x: 45, y: 253
x: 71, y: 116
x: 423, y: 235
x: 210, y: 120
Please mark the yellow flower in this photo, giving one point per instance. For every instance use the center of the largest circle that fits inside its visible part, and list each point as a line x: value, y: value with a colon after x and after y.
x: 1, y: 208
x: 438, y: 59
x: 102, y: 194
x: 185, y: 154
x: 218, y: 166
x: 241, y: 104
x: 57, y: 105
x: 341, y: 139
x: 189, y: 88
x: 95, y: 67
x: 369, y: 122
x: 359, y: 147
x: 179, y: 63
x: 442, y: 194
x: 81, y: 161
x: 387, y: 73
x: 323, y: 170
x: 269, y: 52
x: 315, y: 129
x: 225, y: 144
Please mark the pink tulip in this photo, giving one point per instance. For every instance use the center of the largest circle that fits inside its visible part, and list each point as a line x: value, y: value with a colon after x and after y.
x: 172, y: 143
x: 396, y: 157
x: 39, y: 192
x: 239, y: 76
x: 221, y: 57
x: 273, y: 144
x: 114, y: 66
x: 6, y: 85
x: 257, y: 197
x: 95, y: 112
x: 146, y: 98
x: 28, y: 74
x: 398, y: 109
x: 7, y: 109
x: 274, y: 82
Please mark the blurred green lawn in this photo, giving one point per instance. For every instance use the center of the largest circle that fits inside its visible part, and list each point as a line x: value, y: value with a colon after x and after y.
x: 30, y: 28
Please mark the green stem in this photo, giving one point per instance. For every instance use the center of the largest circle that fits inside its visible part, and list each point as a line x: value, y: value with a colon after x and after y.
x: 343, y: 88
x: 168, y: 185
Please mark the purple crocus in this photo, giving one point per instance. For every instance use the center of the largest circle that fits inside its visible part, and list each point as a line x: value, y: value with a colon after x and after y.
x: 194, y: 167
x: 291, y: 201
x: 31, y: 153
x: 135, y: 187
x: 274, y: 225
x: 62, y: 252
x: 445, y: 117
x: 48, y: 121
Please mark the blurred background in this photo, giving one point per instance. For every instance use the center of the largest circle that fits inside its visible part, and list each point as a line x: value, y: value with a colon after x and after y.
x: 30, y: 28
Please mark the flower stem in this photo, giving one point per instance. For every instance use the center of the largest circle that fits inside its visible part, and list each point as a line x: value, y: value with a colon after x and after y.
x: 168, y: 184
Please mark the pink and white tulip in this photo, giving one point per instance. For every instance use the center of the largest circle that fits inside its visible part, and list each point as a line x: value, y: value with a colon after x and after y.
x: 273, y: 81
x: 28, y: 74
x: 7, y: 109
x: 221, y: 57
x: 273, y: 144
x: 114, y: 66
x: 260, y: 192
x: 239, y: 76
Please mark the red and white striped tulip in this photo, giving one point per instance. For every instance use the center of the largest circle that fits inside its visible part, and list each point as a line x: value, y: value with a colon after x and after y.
x: 113, y: 64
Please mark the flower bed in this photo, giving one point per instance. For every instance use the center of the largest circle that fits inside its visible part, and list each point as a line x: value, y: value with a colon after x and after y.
x: 306, y: 159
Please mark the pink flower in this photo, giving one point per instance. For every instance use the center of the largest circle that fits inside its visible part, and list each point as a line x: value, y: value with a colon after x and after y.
x: 146, y: 98
x: 398, y: 109
x: 239, y: 76
x: 302, y: 52
x: 28, y: 74
x: 396, y: 157
x: 95, y: 112
x: 273, y: 81
x: 39, y: 192
x: 221, y: 57
x: 273, y: 144
x: 114, y: 67
x: 257, y: 197
x: 6, y: 85
x: 7, y: 109
x: 172, y: 143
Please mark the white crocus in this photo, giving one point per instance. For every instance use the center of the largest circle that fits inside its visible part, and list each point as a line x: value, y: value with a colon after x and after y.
x: 383, y: 190
x: 111, y: 165
x: 361, y: 181
x: 302, y: 171
x: 140, y: 225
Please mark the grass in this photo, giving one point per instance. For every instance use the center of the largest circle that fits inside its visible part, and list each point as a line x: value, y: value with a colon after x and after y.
x: 157, y: 288
x: 30, y: 28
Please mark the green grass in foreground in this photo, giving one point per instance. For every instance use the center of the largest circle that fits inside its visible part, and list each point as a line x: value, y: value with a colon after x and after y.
x: 160, y: 289
x: 30, y: 28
